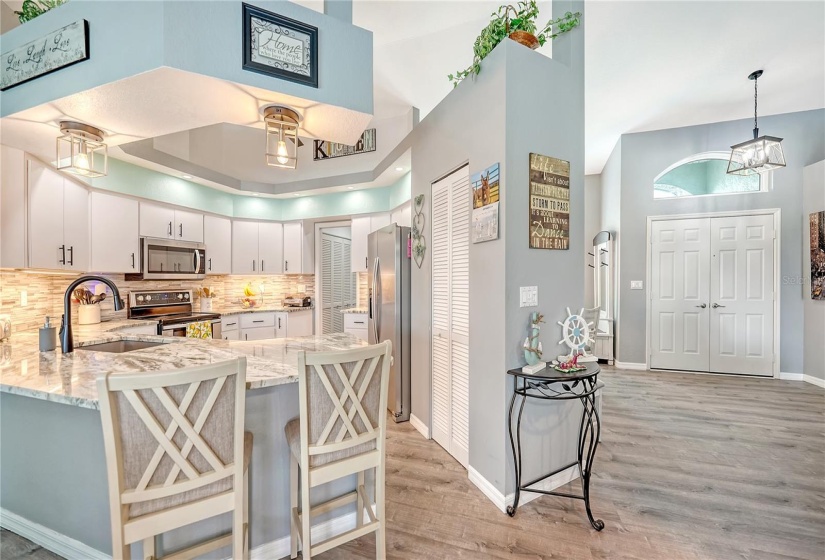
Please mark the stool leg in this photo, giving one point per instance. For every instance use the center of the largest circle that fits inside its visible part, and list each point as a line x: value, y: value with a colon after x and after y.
x: 237, y: 521
x: 306, y: 517
x: 149, y: 548
x: 381, y: 532
x: 359, y: 514
x: 293, y: 504
x: 246, y: 516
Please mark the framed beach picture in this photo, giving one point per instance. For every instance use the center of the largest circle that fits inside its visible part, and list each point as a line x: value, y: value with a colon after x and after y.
x: 279, y: 46
x: 818, y: 255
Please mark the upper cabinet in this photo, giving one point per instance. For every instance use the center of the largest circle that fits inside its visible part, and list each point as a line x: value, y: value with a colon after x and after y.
x: 115, y: 238
x: 360, y: 229
x: 217, y: 235
x: 298, y: 253
x: 58, y: 221
x: 257, y: 247
x: 13, y: 246
x: 169, y: 223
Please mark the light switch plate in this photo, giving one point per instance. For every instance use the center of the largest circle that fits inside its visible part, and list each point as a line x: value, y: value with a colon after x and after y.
x: 637, y: 285
x: 528, y: 296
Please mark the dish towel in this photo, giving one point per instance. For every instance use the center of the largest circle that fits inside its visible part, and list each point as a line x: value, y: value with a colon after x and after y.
x: 199, y: 329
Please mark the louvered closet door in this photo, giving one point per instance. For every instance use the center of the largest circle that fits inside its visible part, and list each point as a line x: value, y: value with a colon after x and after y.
x: 326, y: 284
x: 451, y: 313
x: 336, y: 282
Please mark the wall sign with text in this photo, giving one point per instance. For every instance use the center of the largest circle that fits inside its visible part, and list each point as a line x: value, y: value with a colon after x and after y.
x: 279, y: 46
x: 59, y: 49
x: 323, y: 149
x: 549, y: 203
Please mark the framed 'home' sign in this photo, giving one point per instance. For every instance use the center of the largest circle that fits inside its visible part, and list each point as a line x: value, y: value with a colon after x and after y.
x: 279, y: 46
x: 58, y: 49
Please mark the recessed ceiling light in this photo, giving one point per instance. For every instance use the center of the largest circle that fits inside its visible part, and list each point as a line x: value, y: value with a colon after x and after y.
x: 350, y: 188
x: 297, y: 194
x: 185, y: 176
x: 399, y: 169
x: 256, y: 194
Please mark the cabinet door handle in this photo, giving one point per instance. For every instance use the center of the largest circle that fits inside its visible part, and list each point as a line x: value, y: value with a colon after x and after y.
x: 246, y: 336
x: 366, y: 262
x: 358, y: 322
x: 170, y: 229
x: 133, y: 260
x: 279, y: 323
x: 231, y: 324
x: 262, y: 265
x: 286, y: 266
x: 63, y: 251
x: 260, y: 321
x: 253, y: 265
x: 210, y: 263
x: 71, y: 255
x: 180, y: 227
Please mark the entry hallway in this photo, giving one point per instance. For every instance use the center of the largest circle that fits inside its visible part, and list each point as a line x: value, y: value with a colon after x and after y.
x: 690, y: 467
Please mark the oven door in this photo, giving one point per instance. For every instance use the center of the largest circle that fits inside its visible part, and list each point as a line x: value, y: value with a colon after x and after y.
x: 179, y: 329
x: 164, y: 259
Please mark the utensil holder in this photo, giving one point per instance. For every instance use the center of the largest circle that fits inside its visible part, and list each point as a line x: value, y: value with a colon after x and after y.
x: 206, y: 304
x: 88, y: 314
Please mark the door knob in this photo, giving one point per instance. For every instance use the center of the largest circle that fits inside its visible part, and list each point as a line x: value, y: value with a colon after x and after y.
x: 715, y: 305
x: 702, y: 306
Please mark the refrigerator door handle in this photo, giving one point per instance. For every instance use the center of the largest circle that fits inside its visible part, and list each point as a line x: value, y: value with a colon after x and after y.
x: 377, y: 295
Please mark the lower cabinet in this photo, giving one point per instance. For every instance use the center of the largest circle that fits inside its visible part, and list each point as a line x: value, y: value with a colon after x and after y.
x: 356, y: 324
x: 142, y: 329
x: 257, y: 333
x: 266, y: 325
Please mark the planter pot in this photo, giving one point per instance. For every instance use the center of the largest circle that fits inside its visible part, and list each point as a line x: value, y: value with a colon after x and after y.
x: 88, y: 314
x: 206, y: 305
x: 527, y: 39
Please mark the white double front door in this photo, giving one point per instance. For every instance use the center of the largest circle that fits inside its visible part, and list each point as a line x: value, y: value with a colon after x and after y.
x: 712, y: 294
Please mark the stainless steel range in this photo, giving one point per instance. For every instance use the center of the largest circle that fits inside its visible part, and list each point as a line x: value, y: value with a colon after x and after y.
x: 171, y: 309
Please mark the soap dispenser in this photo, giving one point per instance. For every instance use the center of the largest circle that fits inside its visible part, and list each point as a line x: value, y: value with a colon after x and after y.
x: 48, y: 336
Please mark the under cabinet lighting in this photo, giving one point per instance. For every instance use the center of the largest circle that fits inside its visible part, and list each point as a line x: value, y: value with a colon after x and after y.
x: 80, y: 150
x: 282, y: 141
x: 759, y: 155
x: 185, y: 176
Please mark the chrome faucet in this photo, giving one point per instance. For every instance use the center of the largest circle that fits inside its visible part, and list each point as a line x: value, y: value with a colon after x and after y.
x: 66, y: 341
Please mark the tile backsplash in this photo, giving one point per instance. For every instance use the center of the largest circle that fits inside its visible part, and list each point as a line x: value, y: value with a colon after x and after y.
x: 45, y: 293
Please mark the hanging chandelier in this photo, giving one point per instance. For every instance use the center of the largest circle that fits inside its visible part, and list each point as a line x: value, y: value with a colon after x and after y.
x: 759, y: 155
x: 80, y: 150
x: 282, y: 141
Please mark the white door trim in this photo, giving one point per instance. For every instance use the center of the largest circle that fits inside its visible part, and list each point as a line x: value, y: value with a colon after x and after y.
x: 777, y: 224
x: 316, y: 300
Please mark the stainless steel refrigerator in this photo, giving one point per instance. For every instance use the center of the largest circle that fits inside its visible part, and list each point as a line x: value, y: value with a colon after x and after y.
x: 389, y: 308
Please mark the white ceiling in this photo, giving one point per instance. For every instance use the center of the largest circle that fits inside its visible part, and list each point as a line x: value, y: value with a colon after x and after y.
x: 649, y: 64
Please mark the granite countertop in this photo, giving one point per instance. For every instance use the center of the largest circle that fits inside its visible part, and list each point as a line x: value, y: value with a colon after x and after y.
x: 275, y: 309
x: 360, y: 310
x: 107, y: 326
x: 70, y: 378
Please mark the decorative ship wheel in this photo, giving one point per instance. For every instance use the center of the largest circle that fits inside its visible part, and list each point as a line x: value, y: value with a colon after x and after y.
x: 577, y: 333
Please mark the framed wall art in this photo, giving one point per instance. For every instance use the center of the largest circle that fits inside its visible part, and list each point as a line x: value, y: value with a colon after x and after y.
x: 817, y: 220
x: 279, y: 46
x: 549, y: 203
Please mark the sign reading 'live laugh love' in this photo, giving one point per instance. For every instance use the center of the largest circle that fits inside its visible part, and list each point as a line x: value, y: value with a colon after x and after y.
x: 59, y: 49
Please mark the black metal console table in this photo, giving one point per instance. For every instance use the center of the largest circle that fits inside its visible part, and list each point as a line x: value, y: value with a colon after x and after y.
x: 549, y: 384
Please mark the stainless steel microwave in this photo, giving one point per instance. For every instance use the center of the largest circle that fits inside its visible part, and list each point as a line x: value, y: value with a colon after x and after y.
x: 167, y: 259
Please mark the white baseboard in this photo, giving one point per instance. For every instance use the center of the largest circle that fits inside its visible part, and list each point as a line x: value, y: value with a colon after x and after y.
x: 787, y: 376
x: 629, y: 365
x: 501, y: 501
x: 420, y: 426
x: 67, y: 547
x: 49, y: 539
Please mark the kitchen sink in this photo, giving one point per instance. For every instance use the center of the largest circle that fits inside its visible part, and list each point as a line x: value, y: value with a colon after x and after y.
x: 120, y: 346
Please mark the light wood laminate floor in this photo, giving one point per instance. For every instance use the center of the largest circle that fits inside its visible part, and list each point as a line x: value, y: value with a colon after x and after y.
x: 690, y: 467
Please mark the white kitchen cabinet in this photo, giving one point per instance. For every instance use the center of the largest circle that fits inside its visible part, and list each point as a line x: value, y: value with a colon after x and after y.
x: 115, y: 237
x: 293, y: 248
x: 217, y: 236
x: 142, y: 329
x: 293, y: 323
x: 59, y: 221
x: 360, y: 228
x: 156, y: 221
x: 244, y: 247
x: 229, y: 327
x: 168, y: 223
x: 401, y: 215
x: 356, y: 324
x: 257, y: 333
x: 13, y: 207
x: 188, y: 226
x: 271, y: 247
x: 231, y: 335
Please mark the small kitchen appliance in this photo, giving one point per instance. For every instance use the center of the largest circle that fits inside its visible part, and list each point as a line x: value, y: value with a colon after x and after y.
x: 297, y: 300
x: 172, y: 309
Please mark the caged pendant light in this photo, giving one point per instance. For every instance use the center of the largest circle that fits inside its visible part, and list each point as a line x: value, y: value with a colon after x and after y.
x: 81, y: 150
x: 759, y: 155
x: 282, y: 140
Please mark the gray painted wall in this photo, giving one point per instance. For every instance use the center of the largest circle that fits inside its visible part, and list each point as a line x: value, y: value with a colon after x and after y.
x: 646, y: 154
x: 592, y: 226
x: 611, y: 210
x: 813, y: 200
x: 521, y: 102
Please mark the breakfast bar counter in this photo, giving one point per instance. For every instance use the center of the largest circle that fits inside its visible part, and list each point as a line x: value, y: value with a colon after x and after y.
x: 53, y: 472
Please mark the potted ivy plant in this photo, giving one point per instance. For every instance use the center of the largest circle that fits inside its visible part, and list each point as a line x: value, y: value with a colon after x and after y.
x: 33, y: 8
x: 521, y: 27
